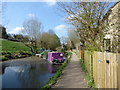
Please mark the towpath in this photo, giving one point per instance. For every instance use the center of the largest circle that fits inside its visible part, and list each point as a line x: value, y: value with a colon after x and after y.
x: 72, y: 77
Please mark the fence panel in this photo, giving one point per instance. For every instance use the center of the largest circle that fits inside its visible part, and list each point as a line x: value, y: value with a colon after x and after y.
x: 87, y: 60
x: 118, y: 69
x: 100, y: 69
x: 108, y: 75
x: 95, y: 67
x: 103, y: 67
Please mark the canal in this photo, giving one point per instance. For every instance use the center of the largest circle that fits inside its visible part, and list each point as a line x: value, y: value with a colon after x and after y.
x: 31, y: 72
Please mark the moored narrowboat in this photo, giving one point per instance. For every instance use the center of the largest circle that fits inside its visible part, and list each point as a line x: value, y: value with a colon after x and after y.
x: 55, y: 57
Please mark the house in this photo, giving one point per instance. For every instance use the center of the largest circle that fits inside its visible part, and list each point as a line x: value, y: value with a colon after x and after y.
x: 3, y: 33
x: 112, y: 38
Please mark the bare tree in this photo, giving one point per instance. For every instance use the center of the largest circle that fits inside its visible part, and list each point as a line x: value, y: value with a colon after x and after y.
x: 32, y: 28
x: 3, y: 10
x: 87, y: 18
x: 73, y: 37
x: 64, y: 40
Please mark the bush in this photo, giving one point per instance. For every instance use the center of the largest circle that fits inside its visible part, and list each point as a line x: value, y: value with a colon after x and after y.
x: 2, y: 58
x: 19, y: 54
x: 90, y: 80
x: 83, y: 65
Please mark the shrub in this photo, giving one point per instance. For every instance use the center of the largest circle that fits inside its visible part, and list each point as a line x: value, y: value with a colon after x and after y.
x: 15, y: 55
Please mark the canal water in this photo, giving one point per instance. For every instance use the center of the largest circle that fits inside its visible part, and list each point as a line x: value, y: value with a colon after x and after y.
x: 31, y: 72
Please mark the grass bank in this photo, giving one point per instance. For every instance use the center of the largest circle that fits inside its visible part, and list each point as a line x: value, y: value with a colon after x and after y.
x: 53, y: 80
x: 13, y: 50
x: 88, y: 77
x: 11, y: 46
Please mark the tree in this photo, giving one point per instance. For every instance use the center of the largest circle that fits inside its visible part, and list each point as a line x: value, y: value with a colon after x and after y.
x: 32, y: 28
x: 21, y: 38
x: 54, y: 42
x: 44, y: 40
x: 18, y: 37
x: 51, y: 32
x: 3, y: 6
x: 73, y: 38
x: 87, y: 18
x: 49, y: 41
x: 64, y: 40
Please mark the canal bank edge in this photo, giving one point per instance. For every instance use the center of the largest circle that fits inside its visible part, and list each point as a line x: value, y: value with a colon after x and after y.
x: 88, y: 77
x: 54, y: 79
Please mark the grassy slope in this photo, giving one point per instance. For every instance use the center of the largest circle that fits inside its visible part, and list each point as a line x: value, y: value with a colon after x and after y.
x: 13, y: 46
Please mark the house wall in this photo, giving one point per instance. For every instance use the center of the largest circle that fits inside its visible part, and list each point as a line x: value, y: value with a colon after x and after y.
x: 114, y: 36
x: 114, y: 26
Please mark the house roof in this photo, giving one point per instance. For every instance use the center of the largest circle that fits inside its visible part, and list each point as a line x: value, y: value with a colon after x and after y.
x: 109, y: 11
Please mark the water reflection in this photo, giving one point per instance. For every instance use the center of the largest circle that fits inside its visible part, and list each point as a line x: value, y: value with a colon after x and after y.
x: 53, y: 68
x: 27, y: 75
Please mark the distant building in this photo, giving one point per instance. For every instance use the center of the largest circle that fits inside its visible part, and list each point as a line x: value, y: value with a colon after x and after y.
x: 3, y: 33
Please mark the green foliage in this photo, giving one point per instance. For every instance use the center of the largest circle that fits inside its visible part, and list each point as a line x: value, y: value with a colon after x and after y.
x: 49, y: 41
x: 88, y: 19
x: 89, y: 78
x: 83, y: 65
x: 11, y: 55
x: 20, y: 37
x: 90, y: 81
x: 45, y: 54
x: 57, y: 41
x: 59, y: 49
x: 64, y: 50
x: 53, y: 80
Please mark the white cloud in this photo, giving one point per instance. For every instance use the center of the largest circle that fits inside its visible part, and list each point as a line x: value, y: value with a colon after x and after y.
x: 61, y: 30
x: 50, y: 2
x: 60, y: 27
x: 16, y: 30
x: 31, y: 15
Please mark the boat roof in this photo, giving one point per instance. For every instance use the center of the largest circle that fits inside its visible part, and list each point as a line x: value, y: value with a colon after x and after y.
x: 54, y: 52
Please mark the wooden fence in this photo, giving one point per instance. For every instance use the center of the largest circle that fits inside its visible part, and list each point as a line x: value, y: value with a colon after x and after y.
x: 118, y: 58
x: 103, y: 67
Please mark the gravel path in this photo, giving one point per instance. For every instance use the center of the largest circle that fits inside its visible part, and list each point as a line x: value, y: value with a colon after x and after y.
x: 73, y: 77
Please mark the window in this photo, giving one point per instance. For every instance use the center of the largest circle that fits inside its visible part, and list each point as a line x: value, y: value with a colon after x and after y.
x: 107, y: 45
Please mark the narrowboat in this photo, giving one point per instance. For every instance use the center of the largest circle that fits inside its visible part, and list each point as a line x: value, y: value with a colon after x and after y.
x: 55, y: 57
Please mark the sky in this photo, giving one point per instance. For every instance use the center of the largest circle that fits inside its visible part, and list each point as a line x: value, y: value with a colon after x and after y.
x: 15, y: 13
